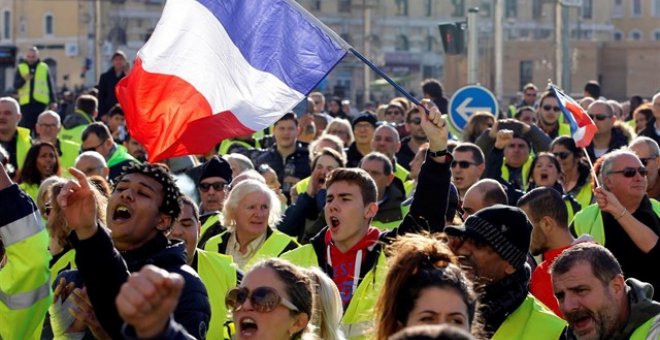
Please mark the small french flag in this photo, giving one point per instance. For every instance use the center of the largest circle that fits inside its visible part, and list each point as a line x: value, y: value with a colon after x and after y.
x: 583, y: 128
x: 217, y: 69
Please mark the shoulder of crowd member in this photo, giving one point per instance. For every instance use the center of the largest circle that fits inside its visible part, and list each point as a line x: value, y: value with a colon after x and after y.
x: 173, y: 331
x: 626, y: 130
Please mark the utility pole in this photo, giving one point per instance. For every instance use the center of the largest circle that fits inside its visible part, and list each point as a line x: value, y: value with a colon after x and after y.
x: 473, y: 45
x: 97, y: 40
x: 366, y: 47
x: 499, y: 48
x: 566, y: 50
x: 559, y: 67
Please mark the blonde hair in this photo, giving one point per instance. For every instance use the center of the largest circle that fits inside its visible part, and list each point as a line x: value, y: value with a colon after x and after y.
x: 345, y: 125
x: 328, y: 308
x: 245, y: 188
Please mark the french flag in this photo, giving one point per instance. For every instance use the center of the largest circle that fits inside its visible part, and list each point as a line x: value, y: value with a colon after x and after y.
x: 217, y: 69
x: 583, y: 128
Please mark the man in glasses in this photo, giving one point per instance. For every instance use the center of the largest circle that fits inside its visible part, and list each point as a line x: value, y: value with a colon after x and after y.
x: 416, y: 137
x: 649, y: 153
x: 609, y: 136
x: 467, y: 167
x: 549, y: 116
x: 386, y: 141
x: 48, y: 127
x: 97, y: 137
x: 213, y: 184
x: 624, y: 219
x: 492, y: 248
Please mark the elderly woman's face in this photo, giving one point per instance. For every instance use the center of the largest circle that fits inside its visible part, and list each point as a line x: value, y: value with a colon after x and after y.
x: 251, y: 214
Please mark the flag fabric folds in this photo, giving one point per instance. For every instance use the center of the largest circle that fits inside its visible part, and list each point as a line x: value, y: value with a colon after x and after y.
x: 217, y: 69
x: 583, y: 128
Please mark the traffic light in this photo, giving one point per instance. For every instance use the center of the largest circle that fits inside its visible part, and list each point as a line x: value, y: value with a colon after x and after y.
x: 453, y: 37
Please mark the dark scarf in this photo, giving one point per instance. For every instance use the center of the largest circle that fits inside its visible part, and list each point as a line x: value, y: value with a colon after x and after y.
x: 500, y: 299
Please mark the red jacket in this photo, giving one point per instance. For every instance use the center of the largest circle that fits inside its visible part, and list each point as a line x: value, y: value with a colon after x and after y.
x: 541, y: 283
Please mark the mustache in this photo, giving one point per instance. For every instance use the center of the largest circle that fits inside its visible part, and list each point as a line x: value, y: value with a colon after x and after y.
x: 573, y: 317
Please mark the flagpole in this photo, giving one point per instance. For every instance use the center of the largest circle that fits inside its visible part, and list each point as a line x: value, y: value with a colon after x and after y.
x: 591, y: 166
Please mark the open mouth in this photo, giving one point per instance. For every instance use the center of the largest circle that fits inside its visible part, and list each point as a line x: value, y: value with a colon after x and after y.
x: 544, y: 177
x: 121, y: 213
x: 334, y: 222
x: 247, y: 327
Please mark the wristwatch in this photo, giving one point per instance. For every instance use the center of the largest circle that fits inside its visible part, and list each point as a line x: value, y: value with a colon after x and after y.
x: 439, y: 153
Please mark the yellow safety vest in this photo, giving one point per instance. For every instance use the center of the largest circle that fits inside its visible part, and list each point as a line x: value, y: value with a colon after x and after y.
x: 585, y: 195
x: 272, y: 247
x: 301, y: 186
x: 41, y: 89
x: 525, y: 171
x: 31, y: 189
x: 564, y: 129
x: 590, y: 221
x: 209, y: 222
x: 23, y: 144
x: 392, y: 224
x: 70, y: 151
x: 218, y: 274
x: 228, y: 143
x: 74, y: 134
x: 650, y: 330
x: 531, y: 320
x: 401, y: 173
x: 358, y: 320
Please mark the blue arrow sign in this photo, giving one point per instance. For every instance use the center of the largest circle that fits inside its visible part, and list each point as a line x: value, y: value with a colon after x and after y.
x: 468, y: 100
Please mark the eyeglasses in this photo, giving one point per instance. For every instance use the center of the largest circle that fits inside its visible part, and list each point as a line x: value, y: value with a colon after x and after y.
x: 630, y: 172
x: 92, y: 148
x: 262, y: 299
x: 645, y: 161
x: 217, y: 186
x: 392, y: 112
x: 415, y: 121
x: 461, y: 164
x: 550, y: 107
x: 600, y: 116
x: 562, y: 155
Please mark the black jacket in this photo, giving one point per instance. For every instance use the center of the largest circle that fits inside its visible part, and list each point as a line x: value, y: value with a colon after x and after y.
x: 296, y: 164
x: 104, y: 270
x: 353, y: 156
x: 620, y: 138
x: 106, y: 86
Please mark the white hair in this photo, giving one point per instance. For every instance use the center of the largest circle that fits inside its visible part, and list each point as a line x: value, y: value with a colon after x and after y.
x: 94, y: 155
x: 248, y: 174
x: 245, y: 188
x: 650, y: 143
x: 244, y: 163
x: 52, y: 114
x: 12, y: 102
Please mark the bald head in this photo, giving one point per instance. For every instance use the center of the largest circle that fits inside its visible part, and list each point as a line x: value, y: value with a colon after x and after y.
x: 92, y: 163
x: 48, y: 126
x: 386, y: 141
x: 482, y: 194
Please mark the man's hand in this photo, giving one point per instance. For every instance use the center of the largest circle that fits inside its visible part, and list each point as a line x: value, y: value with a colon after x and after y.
x: 493, y: 130
x: 28, y: 76
x: 307, y: 129
x: 78, y: 203
x: 504, y: 138
x: 148, y: 298
x: 608, y: 202
x: 316, y: 182
x: 434, y: 126
x: 85, y: 315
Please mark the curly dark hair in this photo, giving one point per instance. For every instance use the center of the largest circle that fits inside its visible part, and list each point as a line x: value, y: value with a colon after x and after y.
x: 30, y: 174
x: 161, y: 174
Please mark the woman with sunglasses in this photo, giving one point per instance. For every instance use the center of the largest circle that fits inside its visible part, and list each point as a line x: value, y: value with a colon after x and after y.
x: 575, y: 171
x: 41, y: 162
x: 274, y: 301
x: 249, y: 211
x: 424, y: 286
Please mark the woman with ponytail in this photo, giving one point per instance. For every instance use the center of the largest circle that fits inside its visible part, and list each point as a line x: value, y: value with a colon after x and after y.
x: 424, y: 285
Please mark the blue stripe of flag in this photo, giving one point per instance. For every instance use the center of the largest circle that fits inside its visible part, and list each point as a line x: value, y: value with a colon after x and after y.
x: 275, y: 38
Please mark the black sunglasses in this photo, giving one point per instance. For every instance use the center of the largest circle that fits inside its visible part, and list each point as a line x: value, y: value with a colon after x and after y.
x: 630, y: 172
x: 562, y: 155
x: 645, y: 161
x: 415, y: 121
x: 600, y: 116
x: 262, y: 299
x: 217, y: 186
x: 461, y: 164
x: 550, y: 107
x: 92, y: 148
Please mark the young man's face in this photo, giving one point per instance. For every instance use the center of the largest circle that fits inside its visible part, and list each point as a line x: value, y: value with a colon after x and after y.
x: 187, y: 229
x: 516, y: 153
x: 346, y: 214
x: 549, y: 111
x: 133, y: 213
x: 285, y: 133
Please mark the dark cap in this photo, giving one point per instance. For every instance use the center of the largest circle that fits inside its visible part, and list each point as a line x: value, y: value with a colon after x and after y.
x: 216, y: 167
x: 506, y: 229
x: 366, y: 117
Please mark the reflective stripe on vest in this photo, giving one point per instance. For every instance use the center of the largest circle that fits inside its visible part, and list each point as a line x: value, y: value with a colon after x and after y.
x: 218, y: 275
x: 209, y: 222
x: 649, y: 330
x: 41, y: 91
x: 21, y: 229
x: 23, y: 144
x: 525, y: 171
x: 401, y: 173
x: 531, y: 320
x: 590, y: 221
x: 25, y: 300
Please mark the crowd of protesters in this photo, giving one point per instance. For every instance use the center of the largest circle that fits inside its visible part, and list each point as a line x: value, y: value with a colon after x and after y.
x: 331, y: 224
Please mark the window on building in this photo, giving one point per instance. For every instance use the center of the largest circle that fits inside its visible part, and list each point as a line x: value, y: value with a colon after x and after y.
x: 48, y: 24
x: 635, y: 35
x: 587, y: 9
x: 636, y: 8
x: 402, y: 43
x: 401, y: 7
x: 429, y: 8
x: 656, y: 35
x: 6, y: 24
x: 617, y: 9
x: 459, y: 8
x: 537, y: 9
x: 511, y: 9
x: 344, y: 6
x: 656, y: 8
x: 430, y: 43
x: 526, y: 72
x: 617, y: 36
